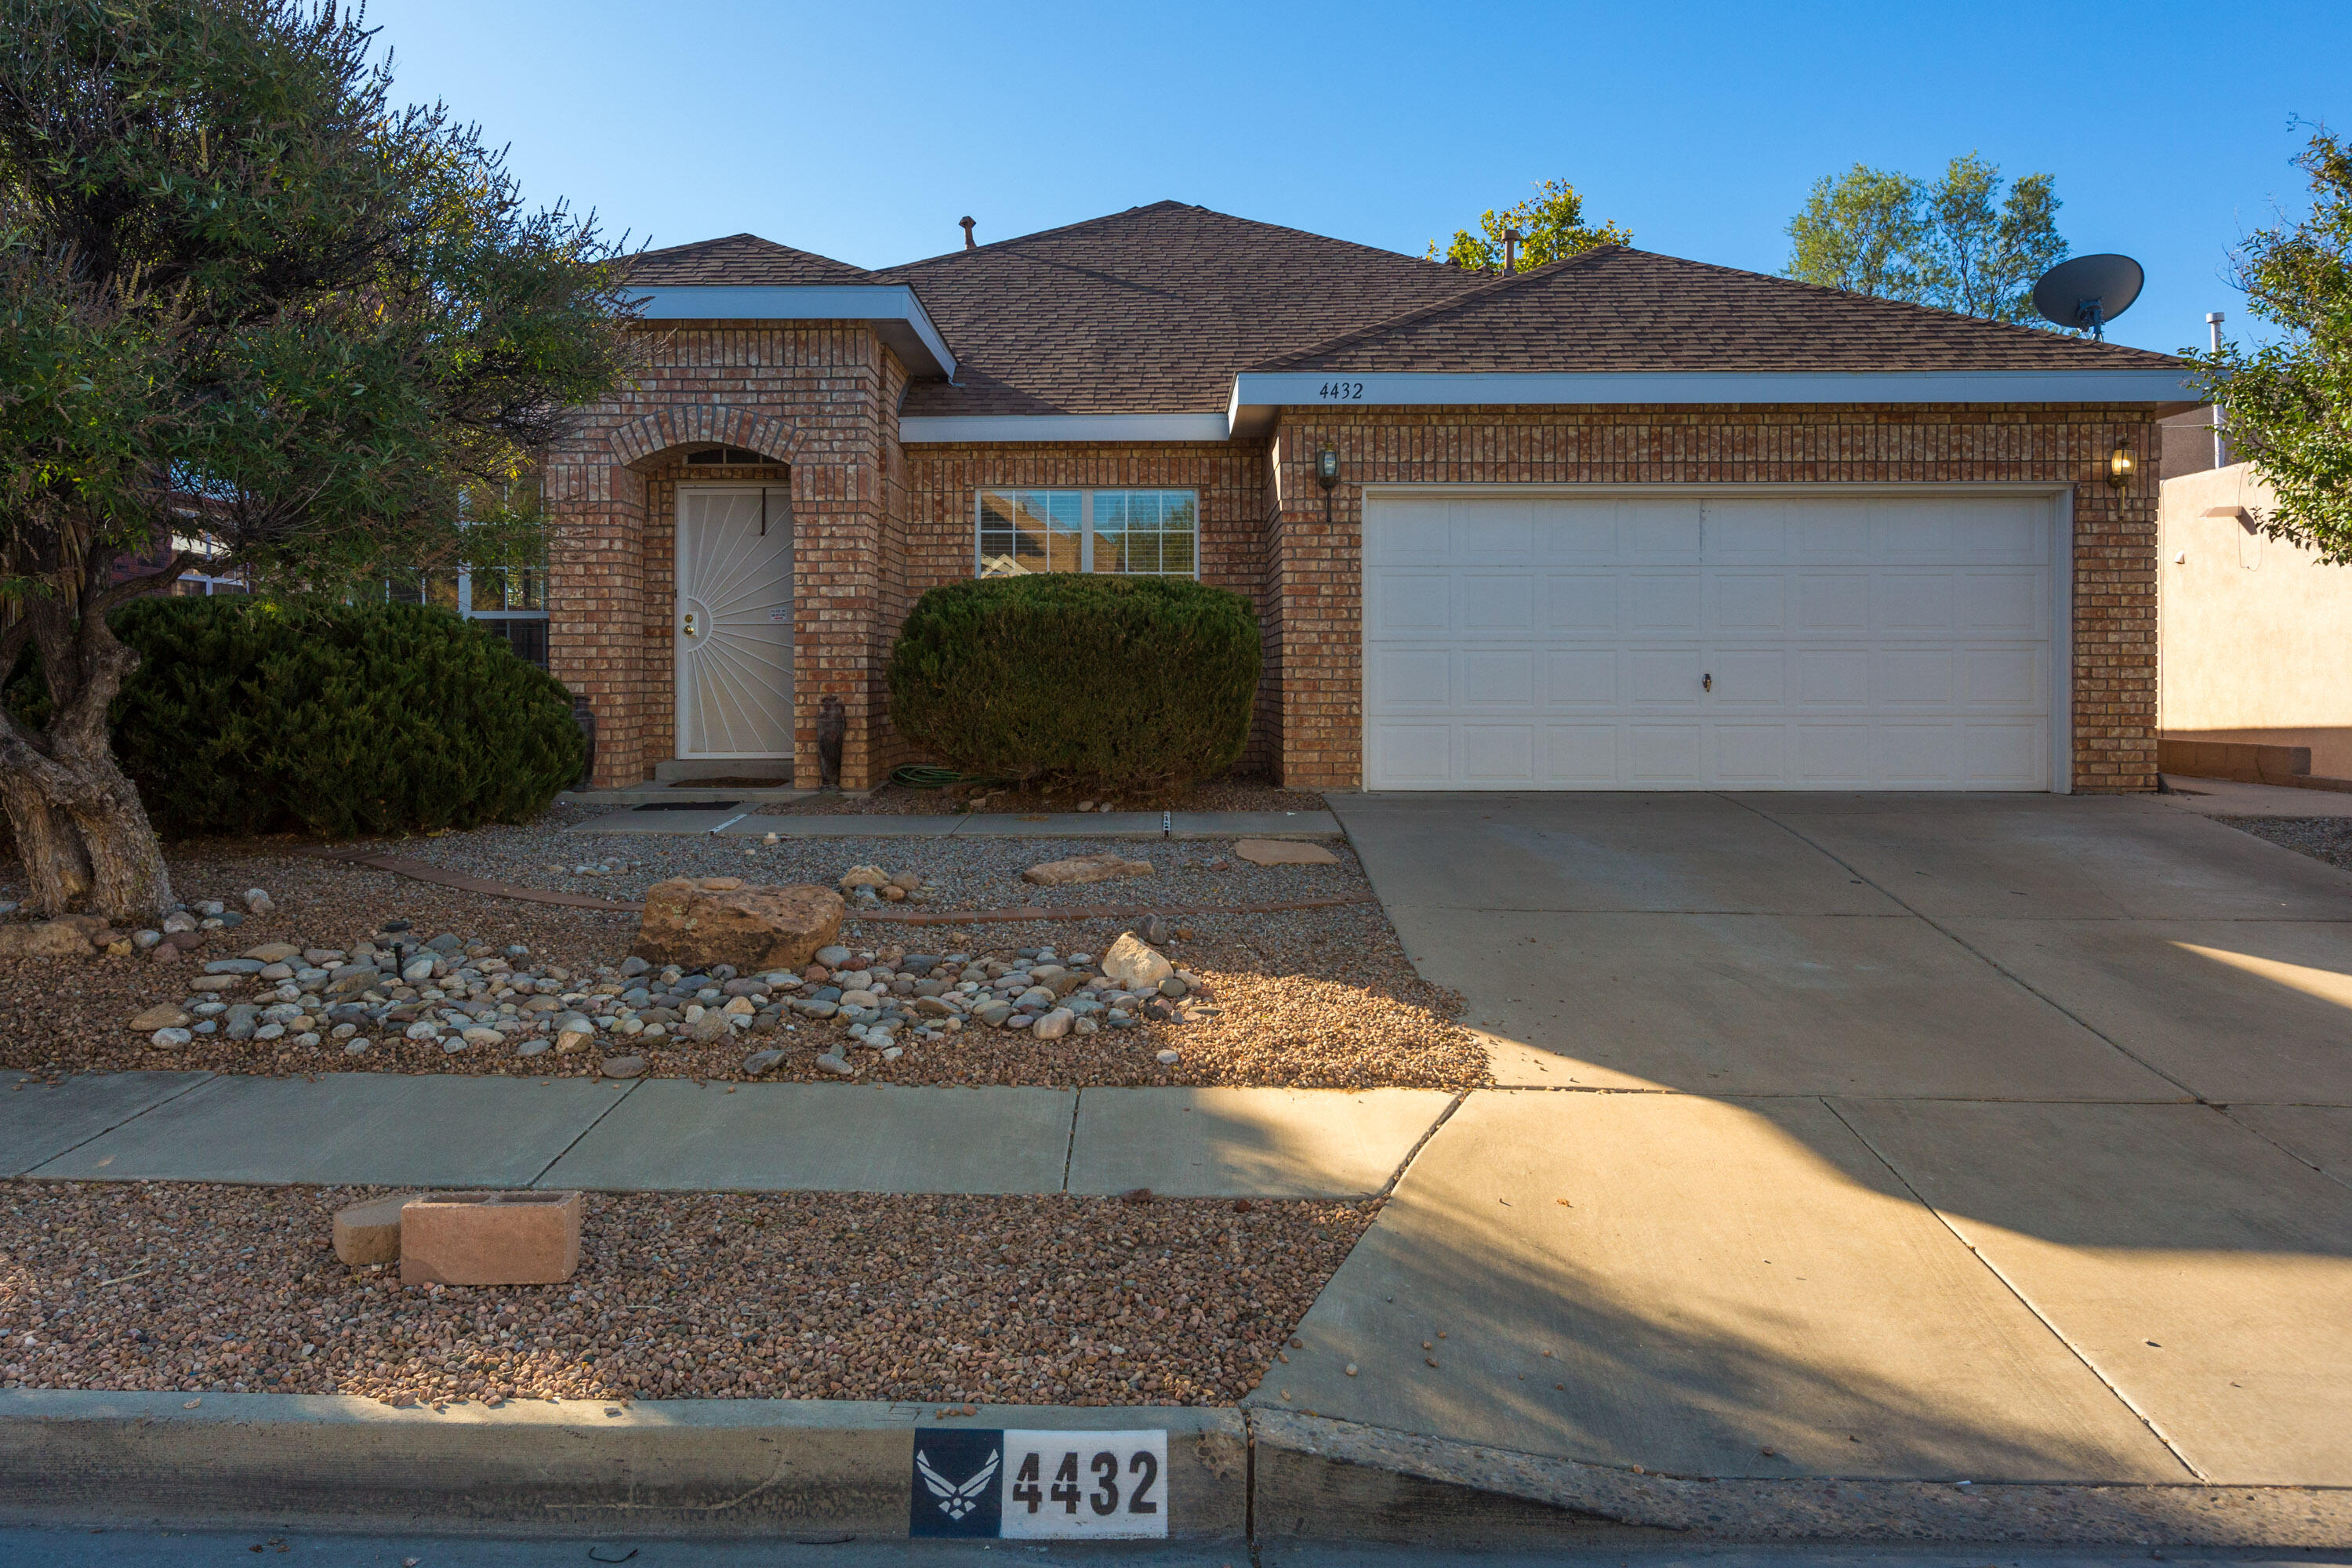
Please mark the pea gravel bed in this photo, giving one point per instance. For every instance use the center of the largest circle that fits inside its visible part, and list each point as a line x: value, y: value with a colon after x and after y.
x: 895, y: 800
x: 959, y: 873
x: 2328, y: 838
x: 202, y: 1289
x: 1311, y: 999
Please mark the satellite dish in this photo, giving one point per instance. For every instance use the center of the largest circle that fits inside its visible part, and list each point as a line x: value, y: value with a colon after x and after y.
x: 2088, y: 291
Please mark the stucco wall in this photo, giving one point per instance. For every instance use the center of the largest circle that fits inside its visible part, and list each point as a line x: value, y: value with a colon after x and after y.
x: 2255, y: 633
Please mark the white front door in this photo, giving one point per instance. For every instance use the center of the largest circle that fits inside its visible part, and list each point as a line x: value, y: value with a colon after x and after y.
x: 1685, y: 641
x: 733, y: 622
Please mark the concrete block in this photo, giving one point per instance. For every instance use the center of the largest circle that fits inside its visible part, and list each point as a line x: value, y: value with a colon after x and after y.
x: 491, y: 1238
x: 369, y: 1232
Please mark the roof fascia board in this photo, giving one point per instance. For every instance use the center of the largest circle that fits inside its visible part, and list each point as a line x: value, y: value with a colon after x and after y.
x: 993, y: 427
x: 1256, y: 394
x: 917, y: 341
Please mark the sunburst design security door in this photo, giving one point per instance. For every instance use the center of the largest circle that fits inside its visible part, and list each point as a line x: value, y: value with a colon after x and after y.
x: 733, y: 624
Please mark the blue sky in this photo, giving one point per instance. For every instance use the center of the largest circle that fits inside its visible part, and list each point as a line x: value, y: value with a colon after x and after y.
x: 864, y: 131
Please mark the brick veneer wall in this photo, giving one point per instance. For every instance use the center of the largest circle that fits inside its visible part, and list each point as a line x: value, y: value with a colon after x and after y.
x: 1230, y: 476
x: 818, y: 397
x: 1315, y: 560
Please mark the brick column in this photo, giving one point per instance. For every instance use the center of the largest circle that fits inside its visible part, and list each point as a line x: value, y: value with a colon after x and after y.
x: 596, y: 603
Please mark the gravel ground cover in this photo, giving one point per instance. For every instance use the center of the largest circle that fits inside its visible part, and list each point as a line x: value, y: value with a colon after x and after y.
x: 2328, y: 838
x: 893, y: 800
x: 202, y: 1289
x: 1310, y: 998
x: 958, y: 873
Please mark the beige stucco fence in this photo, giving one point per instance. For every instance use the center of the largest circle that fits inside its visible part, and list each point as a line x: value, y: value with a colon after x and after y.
x: 2255, y: 636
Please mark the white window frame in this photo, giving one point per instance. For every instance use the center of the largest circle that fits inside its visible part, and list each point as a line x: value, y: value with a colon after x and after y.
x: 1087, y: 523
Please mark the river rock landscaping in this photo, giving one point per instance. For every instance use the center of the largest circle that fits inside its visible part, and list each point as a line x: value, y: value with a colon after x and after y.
x: 343, y: 968
x: 201, y: 1289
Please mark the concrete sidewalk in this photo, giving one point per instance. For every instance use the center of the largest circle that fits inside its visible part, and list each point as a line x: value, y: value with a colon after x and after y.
x: 740, y: 822
x: 672, y: 1134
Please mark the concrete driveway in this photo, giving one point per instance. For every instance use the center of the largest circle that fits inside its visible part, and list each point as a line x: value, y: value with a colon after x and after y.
x: 1938, y: 1137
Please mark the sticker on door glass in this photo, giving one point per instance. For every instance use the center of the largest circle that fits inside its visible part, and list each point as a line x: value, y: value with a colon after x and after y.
x: 1034, y: 1486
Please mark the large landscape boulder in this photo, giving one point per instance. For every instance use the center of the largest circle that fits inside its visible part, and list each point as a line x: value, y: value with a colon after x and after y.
x: 70, y: 937
x: 720, y: 920
x: 1101, y: 868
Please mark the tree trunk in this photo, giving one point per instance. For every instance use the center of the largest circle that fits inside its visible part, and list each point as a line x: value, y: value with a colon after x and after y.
x: 56, y: 869
x: 80, y: 826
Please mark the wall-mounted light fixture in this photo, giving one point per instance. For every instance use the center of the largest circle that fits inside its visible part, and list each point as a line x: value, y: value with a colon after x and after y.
x: 1326, y: 468
x: 2120, y: 465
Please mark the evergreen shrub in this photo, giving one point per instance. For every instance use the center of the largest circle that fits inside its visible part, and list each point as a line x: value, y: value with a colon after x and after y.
x: 251, y: 715
x: 1122, y: 682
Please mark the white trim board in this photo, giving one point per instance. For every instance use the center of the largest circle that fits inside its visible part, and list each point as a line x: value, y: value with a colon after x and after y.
x: 993, y: 427
x: 1257, y: 395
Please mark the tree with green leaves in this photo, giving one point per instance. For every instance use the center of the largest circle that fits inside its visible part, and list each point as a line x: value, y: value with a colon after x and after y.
x: 244, y: 296
x: 1960, y: 243
x: 1551, y: 228
x: 2287, y: 405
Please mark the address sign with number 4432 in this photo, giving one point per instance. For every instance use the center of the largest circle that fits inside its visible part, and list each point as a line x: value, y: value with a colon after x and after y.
x: 1034, y: 1486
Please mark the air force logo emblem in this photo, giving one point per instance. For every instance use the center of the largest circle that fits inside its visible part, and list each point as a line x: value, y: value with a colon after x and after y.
x: 958, y: 1488
x: 956, y: 1497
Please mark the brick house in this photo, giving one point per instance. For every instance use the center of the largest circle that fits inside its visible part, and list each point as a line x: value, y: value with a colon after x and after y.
x: 1622, y: 521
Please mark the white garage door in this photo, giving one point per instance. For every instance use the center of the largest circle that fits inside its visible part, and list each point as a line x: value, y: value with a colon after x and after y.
x: 1545, y: 642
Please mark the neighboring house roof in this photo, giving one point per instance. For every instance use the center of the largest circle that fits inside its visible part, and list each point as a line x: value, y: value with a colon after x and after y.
x: 743, y: 259
x: 1616, y: 309
x: 1174, y: 310
x: 1150, y: 310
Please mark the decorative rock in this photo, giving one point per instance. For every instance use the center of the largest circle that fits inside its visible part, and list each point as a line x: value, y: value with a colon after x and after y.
x: 711, y: 1025
x: 1167, y: 1058
x: 418, y: 970
x: 622, y: 1066
x: 750, y: 928
x: 1134, y: 964
x: 1054, y: 1024
x: 863, y: 877
x: 273, y: 953
x: 453, y: 1045
x: 369, y: 1232
x: 146, y: 938
x: 531, y: 1048
x: 1174, y: 986
x: 179, y: 919
x: 163, y: 1015
x: 171, y: 1037
x: 834, y: 1064
x: 357, y: 1047
x: 759, y: 1062
x: 1284, y: 852
x: 632, y: 966
x: 832, y: 957
x: 993, y: 1014
x: 68, y: 938
x: 1101, y: 868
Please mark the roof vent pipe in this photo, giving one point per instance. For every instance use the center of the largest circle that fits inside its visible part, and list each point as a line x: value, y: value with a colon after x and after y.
x: 968, y: 244
x: 2213, y: 329
x: 1511, y: 238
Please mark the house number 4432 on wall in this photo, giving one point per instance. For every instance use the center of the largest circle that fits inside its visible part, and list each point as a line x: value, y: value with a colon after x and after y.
x: 1341, y: 392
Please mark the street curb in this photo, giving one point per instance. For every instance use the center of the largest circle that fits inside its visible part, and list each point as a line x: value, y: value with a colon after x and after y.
x: 824, y: 1469
x: 1318, y: 1477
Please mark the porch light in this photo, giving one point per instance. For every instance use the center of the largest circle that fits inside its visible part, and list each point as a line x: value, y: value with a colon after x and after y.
x: 1326, y: 468
x: 2119, y: 464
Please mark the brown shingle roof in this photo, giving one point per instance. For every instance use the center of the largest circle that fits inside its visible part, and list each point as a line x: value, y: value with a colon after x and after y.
x: 1621, y: 309
x: 739, y: 258
x: 1150, y: 310
x: 1154, y: 310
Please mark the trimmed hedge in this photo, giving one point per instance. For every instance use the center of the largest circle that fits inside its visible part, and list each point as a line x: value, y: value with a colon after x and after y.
x: 256, y: 716
x: 1124, y: 682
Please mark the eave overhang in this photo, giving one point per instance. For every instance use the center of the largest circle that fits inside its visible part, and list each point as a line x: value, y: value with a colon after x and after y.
x: 1258, y: 395
x: 892, y: 309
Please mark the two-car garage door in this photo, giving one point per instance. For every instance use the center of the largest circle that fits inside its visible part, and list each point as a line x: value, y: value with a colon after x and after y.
x: 1542, y: 641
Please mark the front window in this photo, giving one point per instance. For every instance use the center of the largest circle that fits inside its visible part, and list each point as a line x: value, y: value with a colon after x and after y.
x: 1124, y: 533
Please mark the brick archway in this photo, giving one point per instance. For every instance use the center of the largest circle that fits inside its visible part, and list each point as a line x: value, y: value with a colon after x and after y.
x: 640, y: 440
